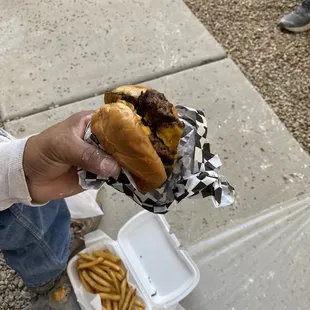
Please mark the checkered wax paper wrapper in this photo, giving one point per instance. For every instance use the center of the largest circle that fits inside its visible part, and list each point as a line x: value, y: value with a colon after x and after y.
x: 195, y: 174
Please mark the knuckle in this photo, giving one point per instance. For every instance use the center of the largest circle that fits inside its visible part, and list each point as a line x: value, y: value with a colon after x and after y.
x: 74, y: 119
x: 79, y: 115
x: 77, y: 122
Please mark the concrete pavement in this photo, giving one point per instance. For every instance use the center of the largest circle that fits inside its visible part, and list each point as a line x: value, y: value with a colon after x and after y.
x: 55, y: 53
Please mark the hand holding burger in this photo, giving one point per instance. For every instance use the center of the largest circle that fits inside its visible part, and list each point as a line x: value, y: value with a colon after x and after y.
x: 51, y: 159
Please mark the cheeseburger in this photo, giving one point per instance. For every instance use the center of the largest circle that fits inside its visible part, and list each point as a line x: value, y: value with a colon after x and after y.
x: 141, y: 129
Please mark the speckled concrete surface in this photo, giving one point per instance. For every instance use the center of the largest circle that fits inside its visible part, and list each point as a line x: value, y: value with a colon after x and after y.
x: 53, y: 53
x: 277, y: 63
x: 260, y: 157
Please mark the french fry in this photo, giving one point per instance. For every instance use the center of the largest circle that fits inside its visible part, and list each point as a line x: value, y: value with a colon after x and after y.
x: 117, y: 274
x: 115, y: 282
x: 111, y: 265
x: 107, y: 255
x: 132, y: 300
x: 122, y: 272
x: 97, y: 287
x: 127, y: 299
x: 123, y: 293
x: 87, y: 257
x: 115, y: 305
x: 82, y: 261
x: 106, y: 296
x: 103, y: 267
x: 101, y: 273
x: 90, y: 264
x: 85, y: 284
x: 109, y: 305
x: 139, y: 303
x: 99, y: 280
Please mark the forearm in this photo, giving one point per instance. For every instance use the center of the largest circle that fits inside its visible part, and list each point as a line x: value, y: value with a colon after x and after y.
x: 13, y: 186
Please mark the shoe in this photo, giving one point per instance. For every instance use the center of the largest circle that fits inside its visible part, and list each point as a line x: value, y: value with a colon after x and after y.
x: 80, y: 228
x: 61, y: 297
x: 298, y: 20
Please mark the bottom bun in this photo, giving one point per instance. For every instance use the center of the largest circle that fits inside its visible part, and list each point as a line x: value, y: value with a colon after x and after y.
x: 118, y: 130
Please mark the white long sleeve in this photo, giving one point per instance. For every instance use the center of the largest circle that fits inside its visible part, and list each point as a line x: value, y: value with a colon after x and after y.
x: 13, y: 186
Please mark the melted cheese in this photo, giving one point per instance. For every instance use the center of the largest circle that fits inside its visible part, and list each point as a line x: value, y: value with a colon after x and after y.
x: 128, y: 104
x: 146, y: 129
x: 170, y: 136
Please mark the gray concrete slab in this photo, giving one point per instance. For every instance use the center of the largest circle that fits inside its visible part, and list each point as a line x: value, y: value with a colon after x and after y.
x: 256, y: 263
x: 260, y: 157
x: 58, y: 52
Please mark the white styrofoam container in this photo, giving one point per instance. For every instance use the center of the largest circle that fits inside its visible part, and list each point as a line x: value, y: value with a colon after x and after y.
x: 163, y: 273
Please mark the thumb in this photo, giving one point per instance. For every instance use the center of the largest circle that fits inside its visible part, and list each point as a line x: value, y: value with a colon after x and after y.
x: 93, y: 159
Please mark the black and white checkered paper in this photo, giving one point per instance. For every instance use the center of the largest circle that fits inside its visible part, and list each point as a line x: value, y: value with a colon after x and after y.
x: 195, y: 174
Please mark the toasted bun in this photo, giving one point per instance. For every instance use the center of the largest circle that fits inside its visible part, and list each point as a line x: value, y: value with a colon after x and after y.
x: 118, y: 130
x: 127, y: 90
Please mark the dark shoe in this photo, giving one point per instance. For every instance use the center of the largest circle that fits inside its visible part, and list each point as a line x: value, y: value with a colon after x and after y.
x: 62, y: 296
x: 299, y: 20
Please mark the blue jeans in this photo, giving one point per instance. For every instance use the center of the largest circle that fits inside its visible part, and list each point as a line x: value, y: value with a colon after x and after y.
x: 35, y: 241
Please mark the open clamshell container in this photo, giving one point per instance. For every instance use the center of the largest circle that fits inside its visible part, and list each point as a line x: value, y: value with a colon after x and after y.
x: 163, y: 273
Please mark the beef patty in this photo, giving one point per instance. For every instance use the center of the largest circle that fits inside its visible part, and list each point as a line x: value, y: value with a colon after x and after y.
x: 155, y: 111
x: 163, y: 152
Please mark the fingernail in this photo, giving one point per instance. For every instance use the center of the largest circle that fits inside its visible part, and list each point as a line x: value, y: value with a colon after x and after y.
x: 109, y: 167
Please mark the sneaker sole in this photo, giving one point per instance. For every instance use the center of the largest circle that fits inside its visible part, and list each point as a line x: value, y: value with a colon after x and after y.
x: 295, y: 29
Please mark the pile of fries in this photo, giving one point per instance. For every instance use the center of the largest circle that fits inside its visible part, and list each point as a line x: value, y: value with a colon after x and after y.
x: 103, y: 273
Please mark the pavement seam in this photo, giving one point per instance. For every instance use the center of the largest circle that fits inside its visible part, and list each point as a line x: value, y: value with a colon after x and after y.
x: 149, y: 78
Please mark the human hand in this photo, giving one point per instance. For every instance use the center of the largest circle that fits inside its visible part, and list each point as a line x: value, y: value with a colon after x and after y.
x: 51, y: 159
